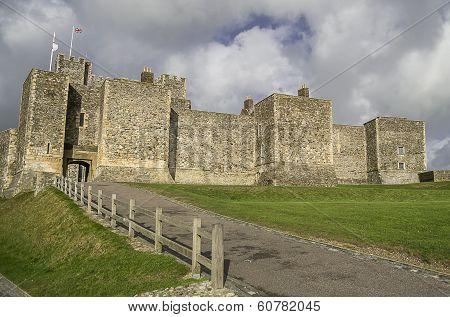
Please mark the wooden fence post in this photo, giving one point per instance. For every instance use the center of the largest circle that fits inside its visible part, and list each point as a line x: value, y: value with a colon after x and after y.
x: 113, y: 210
x: 196, y: 247
x: 131, y: 219
x: 158, y: 230
x: 217, y: 267
x: 82, y: 193
x: 75, y: 197
x: 89, y: 201
x: 70, y: 189
x: 99, y: 202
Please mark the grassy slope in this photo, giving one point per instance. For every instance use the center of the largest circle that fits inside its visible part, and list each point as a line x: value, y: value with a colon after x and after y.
x: 51, y: 248
x: 408, y: 218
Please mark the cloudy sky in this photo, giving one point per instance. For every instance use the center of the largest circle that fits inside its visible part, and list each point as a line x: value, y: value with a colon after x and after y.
x: 231, y: 49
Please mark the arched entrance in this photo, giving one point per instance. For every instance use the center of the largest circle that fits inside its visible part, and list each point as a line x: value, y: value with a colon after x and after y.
x: 78, y: 169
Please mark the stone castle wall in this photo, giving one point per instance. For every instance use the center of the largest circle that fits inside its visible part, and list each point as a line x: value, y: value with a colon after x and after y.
x: 8, y: 147
x: 176, y: 85
x: 23, y: 131
x: 83, y: 99
x: 47, y: 118
x: 134, y: 132
x: 40, y: 144
x: 78, y: 70
x: 303, y: 149
x: 265, y: 143
x: 349, y: 154
x: 212, y: 148
x: 371, y: 129
x: 146, y: 131
x: 385, y: 135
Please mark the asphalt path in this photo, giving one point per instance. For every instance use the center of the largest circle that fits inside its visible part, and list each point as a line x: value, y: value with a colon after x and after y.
x: 281, y: 265
x: 9, y: 289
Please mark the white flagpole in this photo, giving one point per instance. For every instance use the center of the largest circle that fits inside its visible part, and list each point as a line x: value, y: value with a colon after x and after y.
x: 51, y: 54
x: 71, y: 41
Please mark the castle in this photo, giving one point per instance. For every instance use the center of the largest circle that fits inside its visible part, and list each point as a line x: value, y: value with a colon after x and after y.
x: 114, y: 129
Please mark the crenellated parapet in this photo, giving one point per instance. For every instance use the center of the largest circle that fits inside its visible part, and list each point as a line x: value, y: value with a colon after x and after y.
x: 176, y: 85
x: 79, y: 70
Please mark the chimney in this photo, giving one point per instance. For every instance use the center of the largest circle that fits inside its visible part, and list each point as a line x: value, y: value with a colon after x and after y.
x: 303, y: 91
x: 248, y: 103
x: 248, y: 106
x: 147, y: 75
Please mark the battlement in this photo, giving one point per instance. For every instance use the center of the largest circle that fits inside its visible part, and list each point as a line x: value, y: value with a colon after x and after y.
x: 79, y: 70
x: 171, y: 78
x: 176, y: 85
x: 62, y: 57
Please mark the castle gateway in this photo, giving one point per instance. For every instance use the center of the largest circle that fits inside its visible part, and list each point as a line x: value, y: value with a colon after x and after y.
x: 95, y: 128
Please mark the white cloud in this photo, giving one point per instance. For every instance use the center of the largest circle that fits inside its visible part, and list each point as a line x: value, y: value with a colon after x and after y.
x: 221, y: 76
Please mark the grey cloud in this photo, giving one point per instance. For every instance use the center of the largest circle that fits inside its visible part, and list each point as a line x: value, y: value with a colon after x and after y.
x: 181, y: 37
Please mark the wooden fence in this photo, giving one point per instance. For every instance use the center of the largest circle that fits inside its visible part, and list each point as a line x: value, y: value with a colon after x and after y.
x: 94, y: 203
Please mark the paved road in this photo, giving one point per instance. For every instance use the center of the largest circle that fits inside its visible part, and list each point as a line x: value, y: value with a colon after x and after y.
x: 280, y: 265
x: 9, y: 289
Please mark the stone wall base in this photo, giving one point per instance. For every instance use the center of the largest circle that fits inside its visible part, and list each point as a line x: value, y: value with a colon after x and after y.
x: 132, y: 174
x: 197, y: 176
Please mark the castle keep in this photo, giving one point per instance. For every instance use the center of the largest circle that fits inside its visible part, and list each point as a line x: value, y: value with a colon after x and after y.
x: 114, y: 129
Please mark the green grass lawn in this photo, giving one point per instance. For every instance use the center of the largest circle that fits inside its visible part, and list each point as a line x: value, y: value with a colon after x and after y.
x: 412, y: 219
x: 50, y: 247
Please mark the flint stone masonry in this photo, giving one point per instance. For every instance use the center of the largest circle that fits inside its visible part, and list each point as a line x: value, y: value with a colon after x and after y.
x: 134, y: 132
x: 349, y: 151
x: 40, y: 145
x: 385, y: 135
x: 294, y: 141
x: 212, y: 148
x: 8, y: 143
x: 79, y: 70
x: 83, y: 100
x: 92, y: 128
x: 176, y: 85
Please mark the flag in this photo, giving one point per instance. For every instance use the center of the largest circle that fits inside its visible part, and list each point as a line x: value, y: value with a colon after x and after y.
x: 54, y: 48
x: 74, y: 30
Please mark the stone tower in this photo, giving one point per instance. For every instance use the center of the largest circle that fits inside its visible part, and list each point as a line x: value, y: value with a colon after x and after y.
x: 294, y: 140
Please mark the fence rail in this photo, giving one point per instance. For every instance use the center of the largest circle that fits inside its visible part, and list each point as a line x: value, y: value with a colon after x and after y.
x: 95, y: 201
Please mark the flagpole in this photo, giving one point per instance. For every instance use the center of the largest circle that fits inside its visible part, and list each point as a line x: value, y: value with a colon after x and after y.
x: 71, y: 41
x: 51, y: 54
